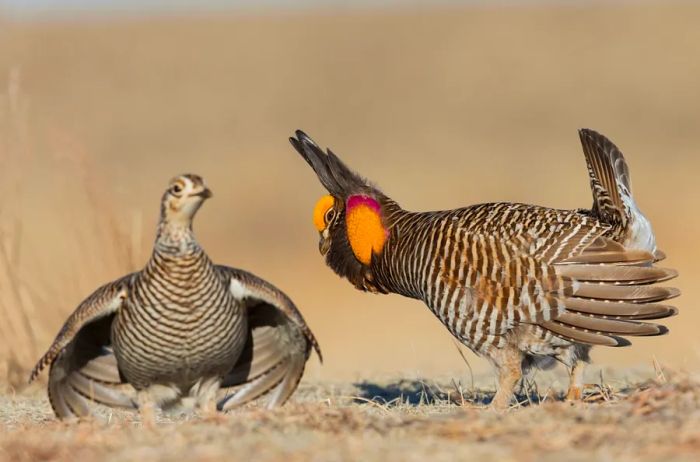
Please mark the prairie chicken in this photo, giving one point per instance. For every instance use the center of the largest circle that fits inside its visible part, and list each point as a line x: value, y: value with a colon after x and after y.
x: 520, y: 284
x: 178, y: 330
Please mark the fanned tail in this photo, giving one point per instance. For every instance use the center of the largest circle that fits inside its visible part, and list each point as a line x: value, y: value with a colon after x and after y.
x: 611, y: 298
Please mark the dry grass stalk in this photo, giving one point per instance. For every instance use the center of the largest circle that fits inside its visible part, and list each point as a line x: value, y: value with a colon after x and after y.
x: 29, y: 297
x: 18, y: 346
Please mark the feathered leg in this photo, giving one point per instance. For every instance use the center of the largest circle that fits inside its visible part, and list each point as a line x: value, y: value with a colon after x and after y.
x: 153, y: 397
x: 575, y: 358
x: 508, y: 362
x: 204, y: 392
x: 575, y: 391
x: 147, y: 409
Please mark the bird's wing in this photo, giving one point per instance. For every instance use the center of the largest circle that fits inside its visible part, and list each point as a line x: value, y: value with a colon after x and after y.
x: 568, y: 278
x: 82, y: 364
x: 278, y: 345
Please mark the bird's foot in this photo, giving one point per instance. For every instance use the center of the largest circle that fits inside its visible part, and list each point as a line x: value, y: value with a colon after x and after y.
x: 209, y: 413
x: 575, y: 392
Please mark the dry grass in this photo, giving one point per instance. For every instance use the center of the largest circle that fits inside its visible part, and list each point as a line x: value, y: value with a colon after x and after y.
x: 442, y: 109
x: 17, y: 300
x: 384, y: 420
x: 29, y: 292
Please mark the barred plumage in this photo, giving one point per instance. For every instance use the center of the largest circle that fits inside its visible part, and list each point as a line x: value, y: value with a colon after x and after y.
x: 180, y: 327
x: 519, y: 284
x: 176, y: 295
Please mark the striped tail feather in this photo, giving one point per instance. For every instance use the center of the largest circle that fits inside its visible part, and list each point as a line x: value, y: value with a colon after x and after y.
x: 613, y: 202
x: 86, y: 371
x: 578, y: 334
x: 610, y: 299
x: 613, y: 326
x: 612, y: 253
x: 623, y: 310
x: 609, y: 176
x: 272, y: 362
x: 634, y: 294
x: 618, y: 275
x: 73, y: 384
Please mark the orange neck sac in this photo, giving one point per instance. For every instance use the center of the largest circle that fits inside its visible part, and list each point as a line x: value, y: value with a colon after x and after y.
x: 365, y: 230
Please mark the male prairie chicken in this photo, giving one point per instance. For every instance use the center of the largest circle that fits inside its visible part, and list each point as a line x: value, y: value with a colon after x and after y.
x: 520, y: 284
x: 182, y: 327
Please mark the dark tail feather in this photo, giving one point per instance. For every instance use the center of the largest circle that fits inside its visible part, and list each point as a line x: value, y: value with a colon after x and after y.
x: 609, y: 176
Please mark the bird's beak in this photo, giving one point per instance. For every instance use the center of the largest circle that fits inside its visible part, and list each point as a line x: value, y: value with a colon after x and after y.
x: 205, y: 193
x: 324, y: 244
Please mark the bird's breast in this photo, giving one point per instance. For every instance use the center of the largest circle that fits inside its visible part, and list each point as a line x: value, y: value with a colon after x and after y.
x: 176, y: 337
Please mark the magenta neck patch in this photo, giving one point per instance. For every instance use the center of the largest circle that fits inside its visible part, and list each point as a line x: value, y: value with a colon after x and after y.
x: 358, y: 200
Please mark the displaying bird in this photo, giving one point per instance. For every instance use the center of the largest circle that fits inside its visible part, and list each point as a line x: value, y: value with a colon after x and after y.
x: 180, y: 329
x: 522, y: 285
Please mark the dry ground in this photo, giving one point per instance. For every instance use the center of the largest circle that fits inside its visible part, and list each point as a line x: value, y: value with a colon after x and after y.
x: 654, y: 419
x: 442, y: 108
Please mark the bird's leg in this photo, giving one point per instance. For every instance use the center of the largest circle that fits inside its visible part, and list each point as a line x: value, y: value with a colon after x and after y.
x: 151, y: 398
x: 508, y: 363
x: 205, y: 393
x: 147, y: 408
x: 576, y: 385
x: 575, y: 358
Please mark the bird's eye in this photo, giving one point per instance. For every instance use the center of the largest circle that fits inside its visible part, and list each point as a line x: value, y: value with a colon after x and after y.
x: 330, y: 214
x: 176, y: 188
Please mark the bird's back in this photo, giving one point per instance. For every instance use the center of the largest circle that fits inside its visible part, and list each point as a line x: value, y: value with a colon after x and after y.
x: 478, y: 237
x: 484, y: 268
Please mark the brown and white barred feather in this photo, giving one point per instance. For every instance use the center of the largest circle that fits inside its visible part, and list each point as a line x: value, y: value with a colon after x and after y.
x: 278, y: 346
x: 613, y: 202
x: 104, y: 302
x: 614, y: 205
x: 486, y: 269
x: 84, y: 369
x: 513, y: 281
x: 84, y: 374
x: 82, y: 365
x: 183, y: 325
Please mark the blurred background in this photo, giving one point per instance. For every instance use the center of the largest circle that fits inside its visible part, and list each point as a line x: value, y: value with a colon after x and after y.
x: 442, y: 105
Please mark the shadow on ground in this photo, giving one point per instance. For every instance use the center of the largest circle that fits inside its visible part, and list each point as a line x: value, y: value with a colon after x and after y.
x: 419, y: 392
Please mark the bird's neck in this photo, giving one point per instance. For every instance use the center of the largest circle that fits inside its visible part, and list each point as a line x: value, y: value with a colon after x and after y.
x: 394, y: 269
x: 176, y: 238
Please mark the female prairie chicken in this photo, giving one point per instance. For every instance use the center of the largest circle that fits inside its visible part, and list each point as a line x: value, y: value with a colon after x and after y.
x: 520, y: 284
x: 182, y: 327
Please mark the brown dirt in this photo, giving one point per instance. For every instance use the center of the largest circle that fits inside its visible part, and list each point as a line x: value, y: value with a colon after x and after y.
x: 383, y: 420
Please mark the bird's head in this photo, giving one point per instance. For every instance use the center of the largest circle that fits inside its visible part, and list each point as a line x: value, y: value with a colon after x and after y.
x: 183, y: 197
x: 351, y: 220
